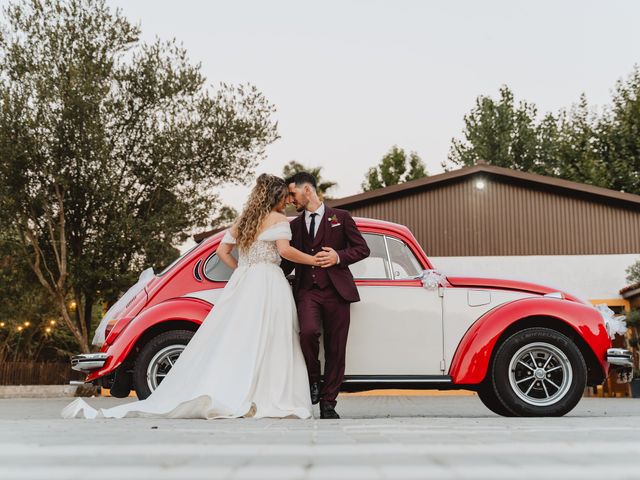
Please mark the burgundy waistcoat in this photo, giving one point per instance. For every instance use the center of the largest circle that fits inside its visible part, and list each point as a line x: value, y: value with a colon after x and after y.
x: 313, y: 275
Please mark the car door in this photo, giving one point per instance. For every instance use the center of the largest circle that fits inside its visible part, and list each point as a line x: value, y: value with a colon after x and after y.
x: 396, y: 328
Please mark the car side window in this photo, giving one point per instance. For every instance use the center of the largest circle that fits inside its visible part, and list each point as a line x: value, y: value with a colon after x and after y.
x: 376, y: 265
x: 404, y: 263
x: 215, y: 270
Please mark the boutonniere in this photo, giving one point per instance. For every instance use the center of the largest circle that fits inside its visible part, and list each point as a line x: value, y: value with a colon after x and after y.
x: 333, y: 220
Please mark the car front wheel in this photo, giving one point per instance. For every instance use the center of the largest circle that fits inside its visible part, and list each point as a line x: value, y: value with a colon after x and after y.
x: 490, y: 400
x: 156, y: 358
x: 538, y: 372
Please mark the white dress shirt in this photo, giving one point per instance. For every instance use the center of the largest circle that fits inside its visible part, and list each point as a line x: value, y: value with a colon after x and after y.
x: 307, y: 218
x: 319, y: 217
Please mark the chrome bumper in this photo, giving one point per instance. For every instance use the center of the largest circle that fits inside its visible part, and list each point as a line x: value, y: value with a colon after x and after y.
x: 621, y: 362
x: 620, y: 356
x: 87, y: 362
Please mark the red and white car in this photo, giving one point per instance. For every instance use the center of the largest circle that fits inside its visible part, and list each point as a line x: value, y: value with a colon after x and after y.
x: 526, y: 349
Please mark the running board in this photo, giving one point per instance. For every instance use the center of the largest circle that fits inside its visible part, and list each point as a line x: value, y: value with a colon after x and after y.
x: 357, y: 383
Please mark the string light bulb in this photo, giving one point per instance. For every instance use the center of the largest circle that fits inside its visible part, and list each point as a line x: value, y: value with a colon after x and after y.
x: 48, y: 329
x: 27, y: 324
x: 52, y: 322
x: 20, y: 328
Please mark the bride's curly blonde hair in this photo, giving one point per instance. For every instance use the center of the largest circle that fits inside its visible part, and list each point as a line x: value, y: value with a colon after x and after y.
x: 268, y: 192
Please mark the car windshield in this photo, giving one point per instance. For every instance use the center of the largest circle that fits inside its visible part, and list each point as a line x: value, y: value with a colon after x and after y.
x: 172, y: 264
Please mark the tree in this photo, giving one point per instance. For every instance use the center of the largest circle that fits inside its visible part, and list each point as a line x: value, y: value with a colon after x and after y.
x: 620, y: 137
x: 575, y: 150
x: 224, y: 216
x: 500, y: 133
x: 323, y: 186
x: 25, y: 310
x: 576, y: 144
x: 110, y: 148
x: 394, y: 168
x: 633, y: 273
x: 30, y: 327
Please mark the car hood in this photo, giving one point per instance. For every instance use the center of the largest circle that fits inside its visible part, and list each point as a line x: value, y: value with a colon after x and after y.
x: 503, y: 284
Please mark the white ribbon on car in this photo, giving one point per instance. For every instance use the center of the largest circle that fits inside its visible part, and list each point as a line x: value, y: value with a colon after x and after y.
x: 431, y: 279
x: 614, y: 325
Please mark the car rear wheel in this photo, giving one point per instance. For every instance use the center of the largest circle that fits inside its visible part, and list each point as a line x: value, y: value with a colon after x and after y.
x: 538, y: 372
x: 121, y: 385
x: 156, y: 359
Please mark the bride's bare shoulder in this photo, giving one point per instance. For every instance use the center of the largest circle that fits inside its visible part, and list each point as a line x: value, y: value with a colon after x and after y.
x: 275, y: 217
x: 272, y: 219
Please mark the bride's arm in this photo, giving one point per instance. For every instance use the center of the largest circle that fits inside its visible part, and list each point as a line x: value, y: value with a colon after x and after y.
x: 224, y: 249
x: 224, y: 253
x: 294, y: 255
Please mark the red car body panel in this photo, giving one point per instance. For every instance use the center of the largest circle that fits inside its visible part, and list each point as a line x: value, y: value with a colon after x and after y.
x: 164, y: 301
x: 502, y: 284
x: 185, y: 309
x: 471, y: 360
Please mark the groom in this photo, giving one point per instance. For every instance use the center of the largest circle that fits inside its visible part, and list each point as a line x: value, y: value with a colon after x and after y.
x: 323, y: 295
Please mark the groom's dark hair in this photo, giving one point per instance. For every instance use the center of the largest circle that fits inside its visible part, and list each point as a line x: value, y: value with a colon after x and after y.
x: 301, y: 178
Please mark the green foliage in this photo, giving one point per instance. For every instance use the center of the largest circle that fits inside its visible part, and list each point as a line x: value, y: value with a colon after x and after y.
x: 633, y: 317
x: 572, y: 153
x: 323, y: 186
x: 394, y: 168
x: 499, y: 132
x: 224, y: 216
x: 633, y: 273
x: 30, y: 327
x: 575, y: 144
x: 110, y: 149
x: 620, y: 135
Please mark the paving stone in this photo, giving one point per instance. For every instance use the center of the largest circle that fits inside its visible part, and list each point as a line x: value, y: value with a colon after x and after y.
x: 378, y: 437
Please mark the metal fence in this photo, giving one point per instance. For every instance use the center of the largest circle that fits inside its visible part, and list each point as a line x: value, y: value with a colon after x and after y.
x: 37, y: 373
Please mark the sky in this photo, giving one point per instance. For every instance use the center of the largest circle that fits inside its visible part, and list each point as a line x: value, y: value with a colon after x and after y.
x: 352, y: 78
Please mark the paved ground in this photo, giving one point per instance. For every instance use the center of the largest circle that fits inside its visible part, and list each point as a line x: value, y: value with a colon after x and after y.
x: 380, y: 437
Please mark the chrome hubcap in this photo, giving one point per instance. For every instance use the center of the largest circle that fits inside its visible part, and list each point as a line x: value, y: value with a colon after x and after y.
x: 540, y: 374
x: 161, y: 363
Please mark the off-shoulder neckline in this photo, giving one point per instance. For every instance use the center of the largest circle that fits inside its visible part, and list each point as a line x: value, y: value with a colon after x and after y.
x: 271, y: 226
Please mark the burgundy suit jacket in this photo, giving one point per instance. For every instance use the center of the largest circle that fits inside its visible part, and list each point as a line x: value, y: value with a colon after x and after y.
x: 343, y: 236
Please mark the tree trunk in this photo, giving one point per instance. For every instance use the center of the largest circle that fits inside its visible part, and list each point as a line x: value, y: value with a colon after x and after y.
x: 78, y: 335
x: 88, y: 309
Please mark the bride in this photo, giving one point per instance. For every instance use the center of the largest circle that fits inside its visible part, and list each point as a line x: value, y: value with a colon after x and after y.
x: 245, y: 359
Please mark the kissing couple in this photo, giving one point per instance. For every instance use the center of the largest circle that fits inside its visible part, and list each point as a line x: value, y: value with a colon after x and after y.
x: 256, y: 353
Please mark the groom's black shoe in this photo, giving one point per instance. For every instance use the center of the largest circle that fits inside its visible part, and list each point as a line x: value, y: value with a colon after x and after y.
x: 315, y: 393
x: 328, y: 412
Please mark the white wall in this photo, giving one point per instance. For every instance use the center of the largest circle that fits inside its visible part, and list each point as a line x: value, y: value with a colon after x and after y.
x: 589, y: 277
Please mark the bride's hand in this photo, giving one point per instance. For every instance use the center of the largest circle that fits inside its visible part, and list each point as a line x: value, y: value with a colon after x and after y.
x: 328, y: 257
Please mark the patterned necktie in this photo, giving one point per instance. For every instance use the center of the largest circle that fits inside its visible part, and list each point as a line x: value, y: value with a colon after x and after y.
x: 312, y: 227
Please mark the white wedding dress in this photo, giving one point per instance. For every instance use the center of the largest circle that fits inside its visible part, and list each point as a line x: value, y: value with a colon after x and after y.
x: 245, y: 360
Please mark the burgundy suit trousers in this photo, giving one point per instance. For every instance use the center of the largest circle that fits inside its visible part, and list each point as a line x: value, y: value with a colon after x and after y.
x: 324, y: 310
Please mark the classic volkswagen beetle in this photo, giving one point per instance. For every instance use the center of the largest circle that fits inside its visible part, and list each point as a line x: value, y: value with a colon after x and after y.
x: 526, y: 349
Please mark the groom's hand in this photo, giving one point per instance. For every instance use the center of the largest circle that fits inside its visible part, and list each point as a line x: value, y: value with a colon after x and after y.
x: 328, y: 257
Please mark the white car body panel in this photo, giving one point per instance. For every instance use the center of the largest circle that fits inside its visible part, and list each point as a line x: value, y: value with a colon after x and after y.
x: 395, y: 330
x: 407, y: 330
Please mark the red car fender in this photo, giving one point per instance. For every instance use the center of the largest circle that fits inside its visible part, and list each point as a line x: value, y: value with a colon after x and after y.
x: 471, y: 361
x: 185, y: 308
